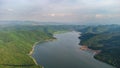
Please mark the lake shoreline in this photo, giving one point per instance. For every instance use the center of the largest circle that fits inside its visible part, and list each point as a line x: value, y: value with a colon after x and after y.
x: 32, y: 50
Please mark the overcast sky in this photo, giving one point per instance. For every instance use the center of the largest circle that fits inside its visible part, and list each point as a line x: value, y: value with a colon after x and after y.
x: 68, y: 11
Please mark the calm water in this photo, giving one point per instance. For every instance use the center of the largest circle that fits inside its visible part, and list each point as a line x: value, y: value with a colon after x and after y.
x: 65, y: 53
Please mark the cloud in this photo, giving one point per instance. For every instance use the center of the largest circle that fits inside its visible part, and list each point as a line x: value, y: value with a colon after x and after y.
x: 10, y: 10
x: 57, y: 10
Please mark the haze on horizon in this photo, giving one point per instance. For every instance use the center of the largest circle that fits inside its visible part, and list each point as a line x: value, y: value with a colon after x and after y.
x: 65, y: 11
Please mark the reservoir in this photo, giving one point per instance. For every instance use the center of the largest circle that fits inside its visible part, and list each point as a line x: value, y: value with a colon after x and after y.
x: 65, y: 53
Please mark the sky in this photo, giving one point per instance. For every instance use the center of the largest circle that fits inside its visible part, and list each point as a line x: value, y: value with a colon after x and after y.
x: 65, y: 11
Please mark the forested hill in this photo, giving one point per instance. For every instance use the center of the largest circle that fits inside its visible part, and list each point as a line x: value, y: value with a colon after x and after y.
x: 105, y: 38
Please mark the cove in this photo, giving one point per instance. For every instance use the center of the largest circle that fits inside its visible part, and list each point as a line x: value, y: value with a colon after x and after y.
x: 65, y: 53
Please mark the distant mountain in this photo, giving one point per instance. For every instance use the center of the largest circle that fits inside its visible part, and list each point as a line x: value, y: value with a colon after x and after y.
x: 29, y: 23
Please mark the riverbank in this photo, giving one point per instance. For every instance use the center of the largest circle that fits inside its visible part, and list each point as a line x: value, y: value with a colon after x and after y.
x: 65, y: 53
x: 31, y: 52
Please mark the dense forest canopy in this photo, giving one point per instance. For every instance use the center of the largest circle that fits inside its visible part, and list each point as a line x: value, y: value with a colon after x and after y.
x: 105, y: 38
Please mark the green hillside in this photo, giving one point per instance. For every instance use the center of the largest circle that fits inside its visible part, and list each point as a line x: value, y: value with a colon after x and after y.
x: 17, y: 41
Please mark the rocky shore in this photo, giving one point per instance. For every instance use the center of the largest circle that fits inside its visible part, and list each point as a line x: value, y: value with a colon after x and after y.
x: 85, y: 48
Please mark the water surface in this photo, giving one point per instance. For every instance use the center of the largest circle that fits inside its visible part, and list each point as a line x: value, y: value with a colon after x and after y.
x: 65, y: 53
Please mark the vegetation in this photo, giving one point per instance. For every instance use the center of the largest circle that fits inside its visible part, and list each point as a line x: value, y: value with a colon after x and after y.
x: 107, y: 40
x: 16, y: 42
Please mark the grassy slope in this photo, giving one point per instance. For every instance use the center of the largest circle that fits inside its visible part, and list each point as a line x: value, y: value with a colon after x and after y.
x: 15, y: 45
